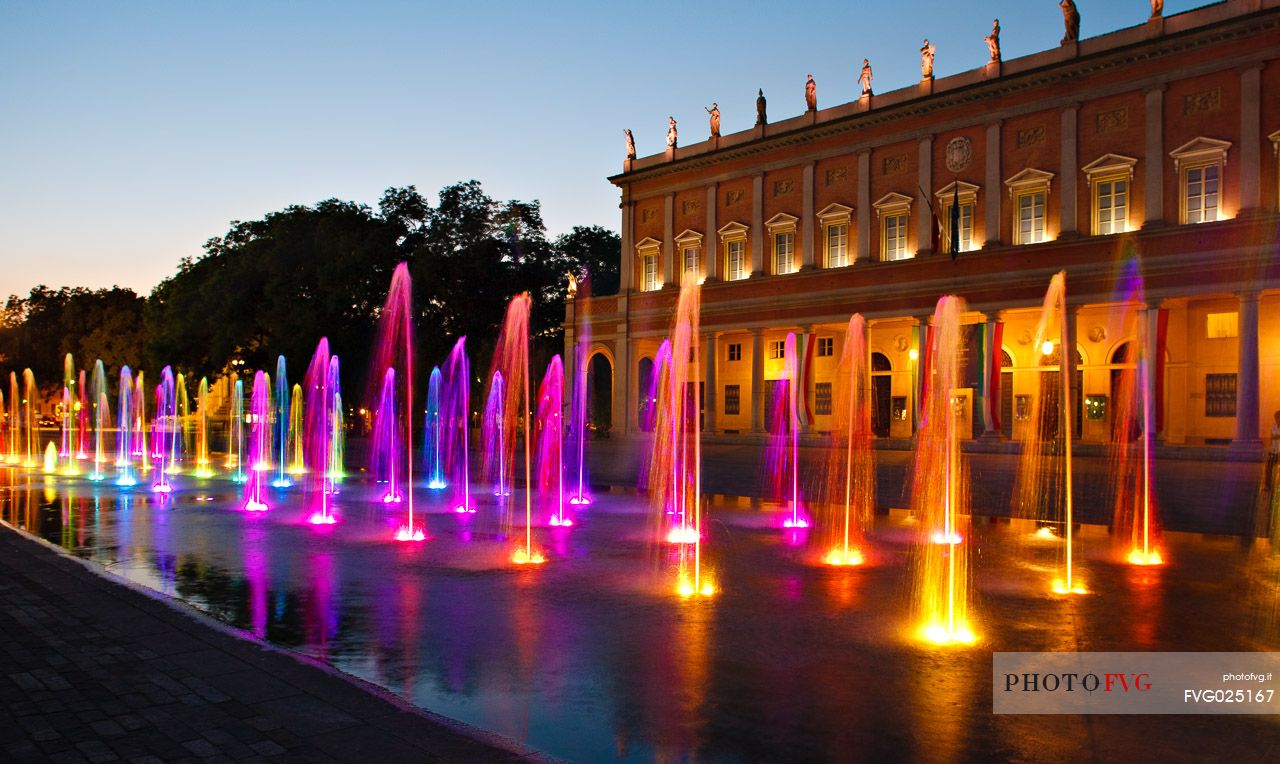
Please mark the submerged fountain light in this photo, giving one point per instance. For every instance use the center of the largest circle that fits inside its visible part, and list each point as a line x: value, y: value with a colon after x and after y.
x: 945, y: 537
x: 404, y: 533
x: 686, y: 587
x: 842, y: 556
x: 1148, y: 557
x: 528, y: 556
x: 683, y: 534
x: 1061, y: 587
x: 795, y: 522
x: 940, y: 635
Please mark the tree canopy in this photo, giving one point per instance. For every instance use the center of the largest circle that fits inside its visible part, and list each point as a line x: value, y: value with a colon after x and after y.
x: 276, y: 285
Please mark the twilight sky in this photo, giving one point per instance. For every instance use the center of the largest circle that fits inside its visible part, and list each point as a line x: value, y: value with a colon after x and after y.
x: 134, y: 131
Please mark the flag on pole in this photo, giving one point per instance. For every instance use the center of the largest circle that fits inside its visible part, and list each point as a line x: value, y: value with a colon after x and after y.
x: 804, y: 375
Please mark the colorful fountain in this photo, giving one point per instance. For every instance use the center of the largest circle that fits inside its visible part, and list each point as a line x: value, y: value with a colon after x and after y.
x: 850, y: 485
x: 939, y: 488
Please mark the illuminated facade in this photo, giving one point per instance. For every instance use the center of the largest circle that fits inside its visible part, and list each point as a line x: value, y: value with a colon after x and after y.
x: 1161, y: 139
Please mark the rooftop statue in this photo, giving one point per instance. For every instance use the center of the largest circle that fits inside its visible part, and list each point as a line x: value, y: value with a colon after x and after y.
x: 761, y: 117
x: 811, y: 94
x: 672, y: 134
x: 631, y: 145
x: 1070, y: 21
x: 864, y: 79
x: 993, y: 40
x: 927, y: 52
x: 714, y: 111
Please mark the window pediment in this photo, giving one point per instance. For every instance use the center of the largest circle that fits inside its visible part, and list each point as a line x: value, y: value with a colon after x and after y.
x: 893, y: 202
x: 1200, y: 149
x: 648, y: 243
x: 835, y: 213
x: 689, y: 238
x: 1110, y: 164
x: 1275, y: 143
x: 781, y: 222
x: 733, y: 230
x: 1029, y: 179
x: 967, y: 193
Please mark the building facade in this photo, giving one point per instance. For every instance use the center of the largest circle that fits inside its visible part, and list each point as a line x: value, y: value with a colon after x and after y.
x: 1158, y: 143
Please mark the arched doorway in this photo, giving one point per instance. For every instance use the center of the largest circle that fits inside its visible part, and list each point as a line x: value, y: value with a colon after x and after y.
x: 881, y: 394
x: 1125, y: 396
x: 599, y: 393
x: 644, y: 394
x: 1051, y: 381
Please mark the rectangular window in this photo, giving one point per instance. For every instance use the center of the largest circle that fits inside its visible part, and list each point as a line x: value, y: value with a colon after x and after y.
x: 1220, y: 395
x: 837, y: 245
x: 966, y: 228
x: 826, y: 347
x: 894, y: 245
x: 691, y: 255
x: 1202, y: 194
x: 783, y: 251
x: 735, y: 259
x: 1030, y: 224
x: 732, y: 400
x: 1111, y: 205
x: 777, y: 348
x: 650, y: 282
x: 1221, y: 326
x: 822, y: 399
x: 735, y: 351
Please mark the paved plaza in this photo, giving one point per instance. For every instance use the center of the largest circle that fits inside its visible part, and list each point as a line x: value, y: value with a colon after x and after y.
x: 92, y: 670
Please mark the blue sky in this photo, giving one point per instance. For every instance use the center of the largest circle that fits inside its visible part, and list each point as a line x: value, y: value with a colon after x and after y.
x: 132, y: 132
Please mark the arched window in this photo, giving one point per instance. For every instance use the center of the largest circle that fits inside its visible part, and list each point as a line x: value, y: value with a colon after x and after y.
x: 880, y: 362
x: 881, y: 394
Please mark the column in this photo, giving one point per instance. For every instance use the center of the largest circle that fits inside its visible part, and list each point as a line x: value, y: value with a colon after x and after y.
x: 627, y: 255
x: 757, y: 380
x: 625, y: 417
x: 669, y: 270
x: 864, y: 206
x: 1067, y: 355
x: 1070, y: 170
x: 806, y: 218
x: 1149, y: 325
x: 711, y: 393
x: 1153, y: 185
x: 1251, y: 139
x: 710, y: 246
x: 1247, y: 438
x: 995, y: 190
x: 757, y: 225
x: 924, y: 207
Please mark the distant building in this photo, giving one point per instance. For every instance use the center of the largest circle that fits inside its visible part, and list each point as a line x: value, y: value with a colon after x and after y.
x: 1162, y: 137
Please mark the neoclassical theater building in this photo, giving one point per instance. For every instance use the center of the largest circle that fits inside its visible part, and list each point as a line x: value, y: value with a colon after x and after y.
x: 1159, y: 143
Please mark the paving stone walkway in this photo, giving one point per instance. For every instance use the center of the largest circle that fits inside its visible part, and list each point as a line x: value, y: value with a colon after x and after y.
x: 95, y: 670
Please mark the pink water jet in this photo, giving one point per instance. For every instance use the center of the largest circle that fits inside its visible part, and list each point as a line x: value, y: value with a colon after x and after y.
x: 394, y: 349
x: 259, y: 443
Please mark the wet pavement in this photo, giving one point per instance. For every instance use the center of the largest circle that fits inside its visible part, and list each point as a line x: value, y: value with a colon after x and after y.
x: 591, y: 656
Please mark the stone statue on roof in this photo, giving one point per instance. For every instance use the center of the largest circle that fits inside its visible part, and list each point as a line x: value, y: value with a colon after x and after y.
x: 631, y: 145
x: 1157, y: 8
x: 811, y: 94
x: 1070, y: 21
x: 864, y: 79
x: 714, y: 111
x: 993, y: 40
x: 927, y: 52
x: 761, y: 117
x: 672, y: 134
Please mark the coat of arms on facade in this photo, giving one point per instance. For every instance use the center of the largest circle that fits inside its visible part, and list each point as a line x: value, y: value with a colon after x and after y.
x: 959, y: 153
